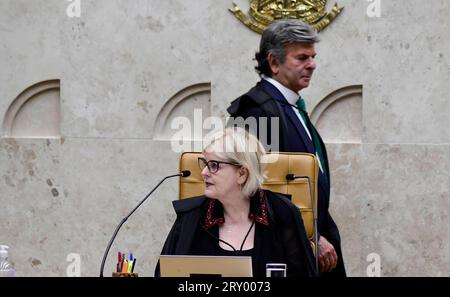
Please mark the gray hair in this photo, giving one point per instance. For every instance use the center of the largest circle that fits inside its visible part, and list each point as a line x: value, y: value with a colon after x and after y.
x: 275, y: 38
x: 236, y: 145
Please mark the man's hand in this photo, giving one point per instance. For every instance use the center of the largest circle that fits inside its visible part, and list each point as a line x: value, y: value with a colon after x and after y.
x: 327, y: 255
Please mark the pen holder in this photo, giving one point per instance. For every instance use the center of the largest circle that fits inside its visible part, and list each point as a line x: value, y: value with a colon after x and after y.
x: 124, y: 274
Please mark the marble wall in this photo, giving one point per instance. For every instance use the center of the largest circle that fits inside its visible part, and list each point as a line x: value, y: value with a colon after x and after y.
x: 75, y: 160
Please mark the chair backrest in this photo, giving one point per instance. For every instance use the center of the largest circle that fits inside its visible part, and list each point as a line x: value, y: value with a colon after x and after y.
x: 298, y: 164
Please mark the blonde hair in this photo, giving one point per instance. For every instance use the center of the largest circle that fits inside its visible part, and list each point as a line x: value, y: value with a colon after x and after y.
x: 236, y: 145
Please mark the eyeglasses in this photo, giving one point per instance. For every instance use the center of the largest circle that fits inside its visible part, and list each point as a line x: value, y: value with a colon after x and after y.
x: 213, y: 165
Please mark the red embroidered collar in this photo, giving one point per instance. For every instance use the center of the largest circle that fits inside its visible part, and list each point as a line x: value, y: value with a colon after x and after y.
x: 214, y: 212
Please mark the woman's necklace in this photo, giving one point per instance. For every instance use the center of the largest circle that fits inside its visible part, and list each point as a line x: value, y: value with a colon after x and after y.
x: 229, y: 229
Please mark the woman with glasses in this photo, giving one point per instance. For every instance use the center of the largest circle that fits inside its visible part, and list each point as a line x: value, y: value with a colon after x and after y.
x: 235, y: 217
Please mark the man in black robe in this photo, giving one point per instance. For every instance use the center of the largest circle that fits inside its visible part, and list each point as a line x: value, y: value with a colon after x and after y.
x: 286, y: 64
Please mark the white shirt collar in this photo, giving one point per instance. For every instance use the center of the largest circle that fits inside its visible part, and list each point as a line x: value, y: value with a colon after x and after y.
x: 290, y: 95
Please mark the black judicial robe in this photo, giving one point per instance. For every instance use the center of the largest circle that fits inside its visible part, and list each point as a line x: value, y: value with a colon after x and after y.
x: 282, y: 240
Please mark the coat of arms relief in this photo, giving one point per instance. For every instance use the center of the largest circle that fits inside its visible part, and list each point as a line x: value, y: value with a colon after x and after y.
x: 263, y: 12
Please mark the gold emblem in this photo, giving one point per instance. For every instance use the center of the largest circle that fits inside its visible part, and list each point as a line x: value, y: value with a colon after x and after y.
x: 263, y: 12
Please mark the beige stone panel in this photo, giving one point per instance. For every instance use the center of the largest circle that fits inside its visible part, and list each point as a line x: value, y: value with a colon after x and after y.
x: 29, y: 46
x: 124, y: 59
x: 410, y: 210
x: 233, y: 48
x: 406, y: 86
x: 346, y: 167
x: 392, y: 200
x: 62, y: 197
x: 338, y: 117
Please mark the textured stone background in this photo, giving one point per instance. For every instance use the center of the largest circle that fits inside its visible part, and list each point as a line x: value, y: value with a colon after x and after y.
x: 128, y: 67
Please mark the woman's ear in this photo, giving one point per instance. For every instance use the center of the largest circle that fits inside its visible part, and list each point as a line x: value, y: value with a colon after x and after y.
x: 242, y: 175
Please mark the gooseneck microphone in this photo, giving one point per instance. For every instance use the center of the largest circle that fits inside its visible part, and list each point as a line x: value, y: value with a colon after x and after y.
x: 291, y: 176
x: 184, y: 173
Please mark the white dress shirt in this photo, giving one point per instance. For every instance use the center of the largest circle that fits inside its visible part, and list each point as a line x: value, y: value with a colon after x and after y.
x: 292, y: 98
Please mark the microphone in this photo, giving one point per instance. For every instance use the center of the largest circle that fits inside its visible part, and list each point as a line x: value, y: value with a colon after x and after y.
x: 291, y: 177
x: 184, y: 173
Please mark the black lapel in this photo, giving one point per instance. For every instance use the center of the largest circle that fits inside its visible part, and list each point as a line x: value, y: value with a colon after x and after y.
x: 191, y: 207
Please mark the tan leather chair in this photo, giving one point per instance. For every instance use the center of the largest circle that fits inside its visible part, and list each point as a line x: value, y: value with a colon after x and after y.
x: 303, y: 187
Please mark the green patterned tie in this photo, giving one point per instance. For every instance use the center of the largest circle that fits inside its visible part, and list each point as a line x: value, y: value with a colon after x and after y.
x: 301, y: 105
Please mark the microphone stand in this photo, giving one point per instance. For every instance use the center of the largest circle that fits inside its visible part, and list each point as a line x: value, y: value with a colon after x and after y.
x: 183, y: 174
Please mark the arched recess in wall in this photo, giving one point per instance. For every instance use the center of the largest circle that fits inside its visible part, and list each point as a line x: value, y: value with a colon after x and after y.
x: 35, y: 112
x: 186, y: 111
x: 338, y: 116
